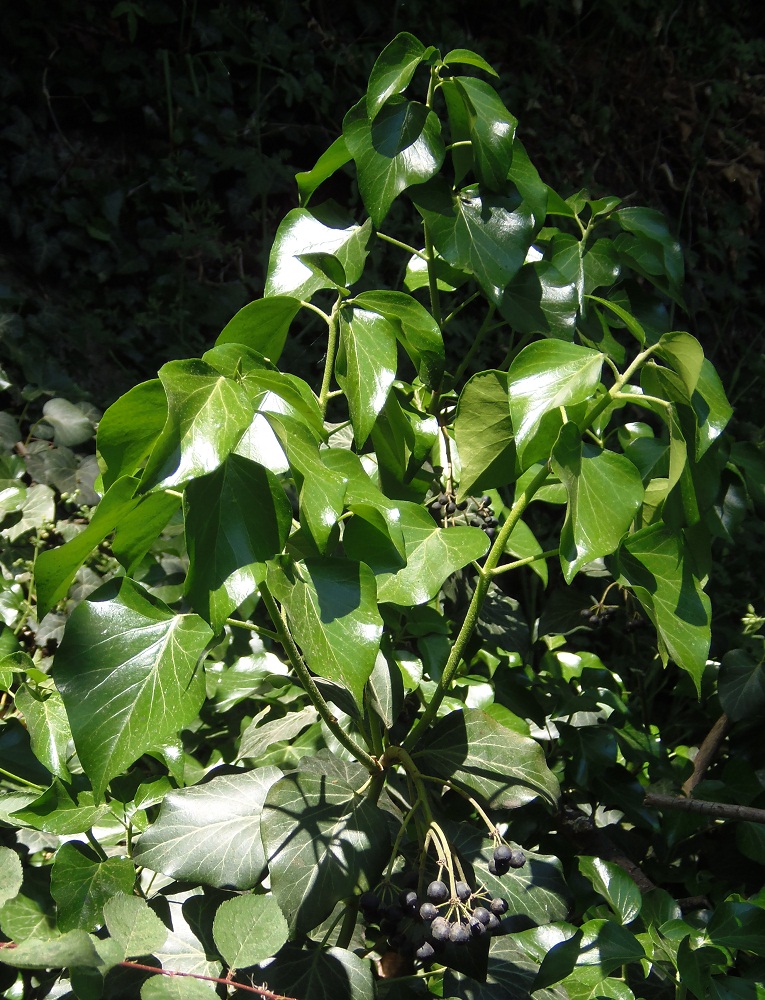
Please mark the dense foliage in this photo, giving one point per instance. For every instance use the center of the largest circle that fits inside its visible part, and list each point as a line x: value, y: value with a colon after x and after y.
x: 387, y: 672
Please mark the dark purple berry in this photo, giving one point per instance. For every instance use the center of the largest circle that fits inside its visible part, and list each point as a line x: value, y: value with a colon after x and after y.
x: 439, y: 929
x: 498, y: 906
x: 459, y: 934
x: 428, y: 911
x: 490, y: 532
x: 462, y: 505
x: 425, y: 952
x: 408, y: 902
x: 482, y: 914
x: 518, y: 859
x: 485, y: 500
x: 477, y: 928
x: 491, y: 522
x: 463, y: 890
x: 493, y: 925
x: 437, y: 892
x: 493, y: 870
x: 369, y: 902
x: 502, y: 854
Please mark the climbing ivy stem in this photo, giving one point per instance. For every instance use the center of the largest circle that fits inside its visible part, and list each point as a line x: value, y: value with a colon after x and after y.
x: 526, y: 561
x: 309, y: 685
x: 258, y: 629
x: 474, y: 609
x: 402, y: 246
x: 329, y: 361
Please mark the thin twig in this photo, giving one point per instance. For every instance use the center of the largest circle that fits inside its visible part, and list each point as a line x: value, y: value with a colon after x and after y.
x: 707, y: 752
x: 725, y: 810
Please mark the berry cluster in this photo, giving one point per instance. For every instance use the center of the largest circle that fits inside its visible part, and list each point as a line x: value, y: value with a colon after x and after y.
x: 422, y: 927
x: 477, y: 513
x: 506, y: 858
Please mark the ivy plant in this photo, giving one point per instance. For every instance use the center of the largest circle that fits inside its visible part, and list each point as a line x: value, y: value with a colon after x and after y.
x: 306, y: 742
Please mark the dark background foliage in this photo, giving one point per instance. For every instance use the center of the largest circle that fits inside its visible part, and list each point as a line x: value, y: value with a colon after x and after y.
x: 148, y: 153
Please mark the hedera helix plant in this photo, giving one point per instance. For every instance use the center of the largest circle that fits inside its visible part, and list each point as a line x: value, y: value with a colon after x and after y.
x: 360, y: 539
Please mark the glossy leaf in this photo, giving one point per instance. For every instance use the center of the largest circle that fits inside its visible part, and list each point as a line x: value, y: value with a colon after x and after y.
x: 738, y: 925
x: 128, y: 430
x: 432, y: 555
x: 211, y: 833
x: 320, y: 230
x: 543, y: 377
x: 248, y: 929
x: 510, y: 976
x: 466, y: 57
x: 322, y: 839
x: 140, y: 527
x: 657, y: 242
x: 484, y: 434
x: 485, y: 234
x: 491, y: 129
x: 366, y: 366
x: 504, y: 768
x: 48, y: 727
x: 685, y: 355
x: 415, y: 328
x: 539, y: 299
x: 259, y: 736
x: 330, y: 161
x: 711, y: 406
x: 614, y: 885
x: 653, y: 563
x: 262, y: 325
x: 331, y: 606
x: 56, y: 568
x: 81, y: 883
x: 127, y: 670
x: 236, y: 518
x: 135, y: 927
x: 393, y: 70
x: 207, y: 414
x: 526, y: 178
x: 604, y: 495
x: 361, y: 495
x: 320, y: 974
x: 165, y: 988
x: 402, y: 147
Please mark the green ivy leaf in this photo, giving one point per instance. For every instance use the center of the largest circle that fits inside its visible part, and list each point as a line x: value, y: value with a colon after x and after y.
x: 738, y: 925
x: 741, y: 685
x: 319, y: 230
x: 510, y: 976
x: 236, y: 518
x: 81, y: 883
x: 129, y: 429
x: 331, y: 605
x: 11, y: 874
x: 432, y: 555
x: 711, y: 406
x: 591, y: 984
x: 501, y: 766
x: 320, y: 974
x: 539, y: 299
x: 322, y: 840
x: 543, y: 377
x: 483, y: 431
x: 415, y: 328
x: 140, y: 527
x: 70, y: 424
x: 211, y: 833
x: 485, y: 234
x: 56, y: 568
x: 366, y: 366
x: 249, y: 929
x: 364, y: 498
x: 56, y: 812
x: 526, y: 178
x: 402, y: 147
x: 259, y: 736
x: 604, y: 495
x: 262, y: 325
x: 614, y: 885
x: 466, y: 57
x: 135, y: 928
x: 653, y: 563
x: 330, y: 161
x: 393, y: 70
x: 207, y: 414
x: 165, y: 988
x: 48, y: 727
x: 654, y: 252
x: 491, y: 130
x: 127, y: 669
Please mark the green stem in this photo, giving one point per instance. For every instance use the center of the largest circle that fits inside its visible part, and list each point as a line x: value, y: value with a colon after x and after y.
x: 348, y: 926
x: 253, y: 628
x: 402, y: 246
x: 95, y: 845
x: 329, y: 362
x: 319, y: 312
x: 460, y: 791
x: 474, y: 609
x: 296, y: 660
x: 435, y: 299
x: 21, y: 781
x: 526, y: 561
